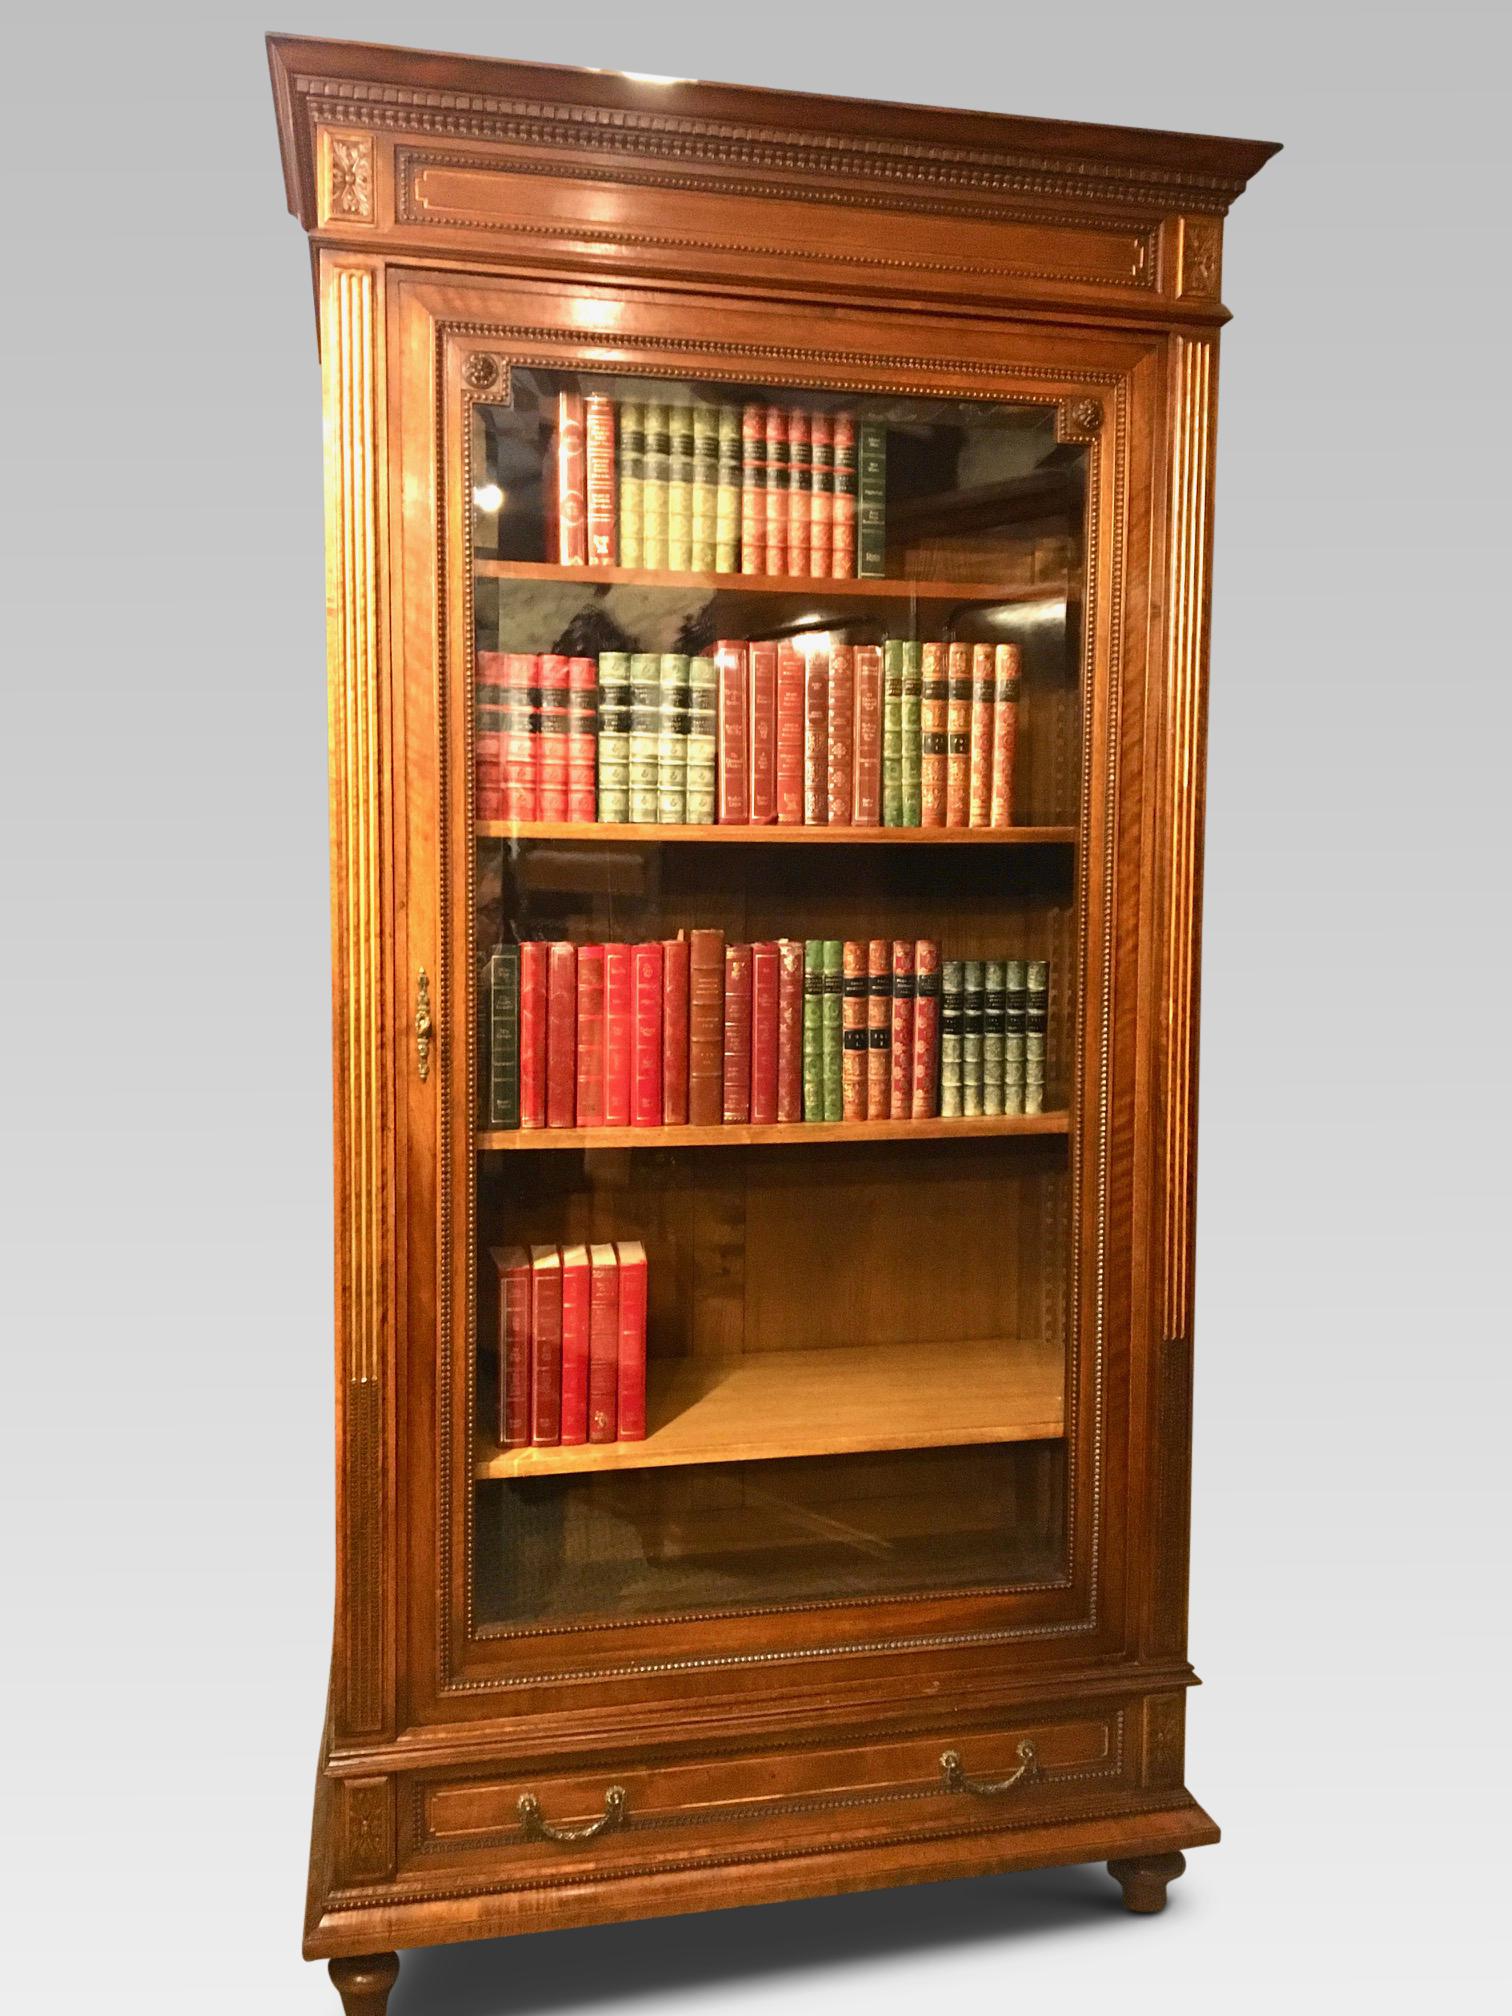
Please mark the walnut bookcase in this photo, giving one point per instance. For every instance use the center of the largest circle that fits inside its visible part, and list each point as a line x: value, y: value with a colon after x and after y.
x: 895, y: 1586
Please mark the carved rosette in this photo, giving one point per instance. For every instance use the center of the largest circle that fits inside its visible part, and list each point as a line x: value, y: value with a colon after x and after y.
x: 367, y: 1829
x: 349, y: 177
x: 1201, y: 253
x: 486, y: 376
x: 1078, y: 418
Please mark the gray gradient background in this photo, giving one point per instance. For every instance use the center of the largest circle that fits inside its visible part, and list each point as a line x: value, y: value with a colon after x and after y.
x: 163, y: 943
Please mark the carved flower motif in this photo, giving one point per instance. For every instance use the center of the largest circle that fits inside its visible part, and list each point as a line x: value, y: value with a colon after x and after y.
x: 351, y: 178
x: 1086, y: 416
x: 479, y: 371
x: 1199, y: 257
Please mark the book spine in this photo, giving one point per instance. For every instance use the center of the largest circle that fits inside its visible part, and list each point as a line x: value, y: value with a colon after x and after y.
x: 821, y: 493
x: 816, y: 738
x: 853, y: 1030
x: 575, y: 1345
x: 765, y: 1012
x: 866, y: 790
x: 1007, y: 681
x: 680, y: 488
x: 727, y: 500
x: 813, y: 1029
x: 900, y: 1088
x: 834, y: 1029
x: 545, y: 1346
x: 912, y: 753
x: 762, y: 733
x: 590, y: 1036
x: 952, y: 1016
x: 934, y: 734
x: 706, y: 974
x: 490, y: 736
x: 503, y: 984
x: 705, y: 488
x: 614, y: 738
x: 602, y: 480
x: 926, y: 1033
x: 672, y: 742
x: 646, y: 1047
x: 561, y: 1035
x: 776, y: 491
x: 979, y: 765
x: 878, y: 1029
x: 800, y: 490
x: 619, y: 1033
x: 645, y: 736
x: 958, y: 735
x: 1036, y: 1029
x: 789, y: 1029
x: 753, y: 490
x: 571, y: 481
x: 840, y: 736
x: 632, y: 445
x: 603, y: 1344
x: 676, y: 953
x: 1015, y: 1028
x: 843, y: 539
x: 551, y: 745
x: 522, y: 725
x: 790, y: 735
x: 737, y: 1035
x: 734, y: 713
x: 973, y: 1004
x: 513, y: 1265
x: 657, y: 465
x: 994, y: 1034
x: 534, y: 991
x: 871, y: 499
x: 892, y: 732
x: 631, y: 1396
x: 702, y: 793
x: 582, y: 740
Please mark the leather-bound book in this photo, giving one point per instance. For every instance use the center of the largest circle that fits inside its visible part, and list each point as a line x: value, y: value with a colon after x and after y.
x: 603, y: 1343
x: 843, y: 525
x: 840, y: 736
x: 672, y: 742
x: 701, y: 796
x: 816, y: 737
x: 866, y: 794
x: 501, y: 994
x: 821, y: 493
x: 1005, y: 710
x: 534, y: 991
x: 790, y: 735
x: 892, y: 732
x: 800, y: 489
x: 551, y: 746
x: 614, y: 738
x: 952, y: 1020
x: 776, y: 491
x: 912, y: 754
x: 705, y: 486
x: 853, y: 1030
x: 645, y: 736
x: 762, y: 732
x: 658, y: 468
x: 974, y: 1008
x: 871, y: 499
x: 926, y: 1039
x: 569, y: 488
x: 727, y: 498
x: 934, y: 733
x: 582, y: 740
x: 1036, y: 1029
x: 680, y: 488
x: 765, y: 1002
x: 512, y: 1266
x: 489, y: 737
x: 734, y: 746
x: 619, y: 1033
x: 789, y: 1030
x: 561, y: 1035
x: 646, y: 1048
x: 522, y: 708
x: 753, y: 489
x: 737, y: 1035
x: 900, y: 1091
x: 631, y: 1394
x: 878, y: 1028
x: 602, y: 481
x: 834, y: 1029
x: 675, y: 964
x: 545, y: 1346
x: 575, y: 1321
x: 813, y: 1029
x: 1015, y: 1028
x: 706, y: 978
x: 994, y: 1034
x: 632, y: 474
x: 590, y: 1036
x: 958, y: 735
x: 979, y: 767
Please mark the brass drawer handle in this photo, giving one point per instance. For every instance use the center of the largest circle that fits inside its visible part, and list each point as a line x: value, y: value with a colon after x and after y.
x: 957, y: 1781
x: 538, y: 1828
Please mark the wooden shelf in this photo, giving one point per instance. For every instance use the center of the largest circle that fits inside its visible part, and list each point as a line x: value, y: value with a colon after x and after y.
x: 772, y: 1404
x: 796, y: 1134
x: 820, y: 588
x: 781, y: 836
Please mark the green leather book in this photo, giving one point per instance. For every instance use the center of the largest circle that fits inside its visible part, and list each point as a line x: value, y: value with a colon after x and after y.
x: 1037, y: 1022
x: 657, y: 467
x: 703, y: 741
x: 974, y: 989
x: 645, y: 735
x: 680, y: 488
x: 614, y: 737
x: 893, y: 653
x: 727, y: 496
x: 833, y: 1044
x: 813, y: 1028
x: 672, y: 741
x: 913, y: 741
x: 871, y: 498
x: 994, y: 1032
x: 705, y: 487
x: 952, y: 1018
x: 1015, y: 1023
x: 632, y: 450
x: 501, y: 993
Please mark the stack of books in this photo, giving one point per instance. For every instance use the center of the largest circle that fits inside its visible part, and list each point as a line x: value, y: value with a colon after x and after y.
x: 572, y: 1344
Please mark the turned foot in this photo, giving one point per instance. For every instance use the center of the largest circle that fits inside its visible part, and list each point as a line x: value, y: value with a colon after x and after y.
x: 1144, y: 1879
x: 364, y: 1984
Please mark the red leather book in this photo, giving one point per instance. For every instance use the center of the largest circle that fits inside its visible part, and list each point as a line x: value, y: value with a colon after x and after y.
x: 753, y: 489
x: 522, y: 686
x: 545, y: 1345
x: 619, y: 1033
x: 551, y: 744
x: 900, y: 1091
x: 737, y: 1034
x: 765, y: 1004
x: 934, y: 733
x: 646, y: 1070
x: 582, y: 739
x: 983, y: 682
x: 821, y: 492
x: 789, y: 1029
x: 490, y: 736
x: 926, y: 1030
x: 761, y: 672
x: 866, y: 796
x: 570, y: 484
x: 632, y: 1340
x: 776, y: 491
x: 840, y: 735
x: 800, y: 489
x: 574, y: 1344
x: 878, y: 1028
x: 561, y: 1035
x: 789, y: 735
x: 854, y: 1002
x: 734, y: 747
x: 512, y: 1266
x: 1005, y: 707
x: 590, y: 1036
x: 958, y: 735
x: 816, y: 738
x: 533, y: 998
x: 706, y: 977
x: 676, y: 956
x: 602, y: 480
x: 603, y: 1344
x: 843, y: 526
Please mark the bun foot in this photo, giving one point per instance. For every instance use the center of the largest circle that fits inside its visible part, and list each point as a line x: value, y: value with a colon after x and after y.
x: 1144, y: 1879
x: 364, y: 1984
